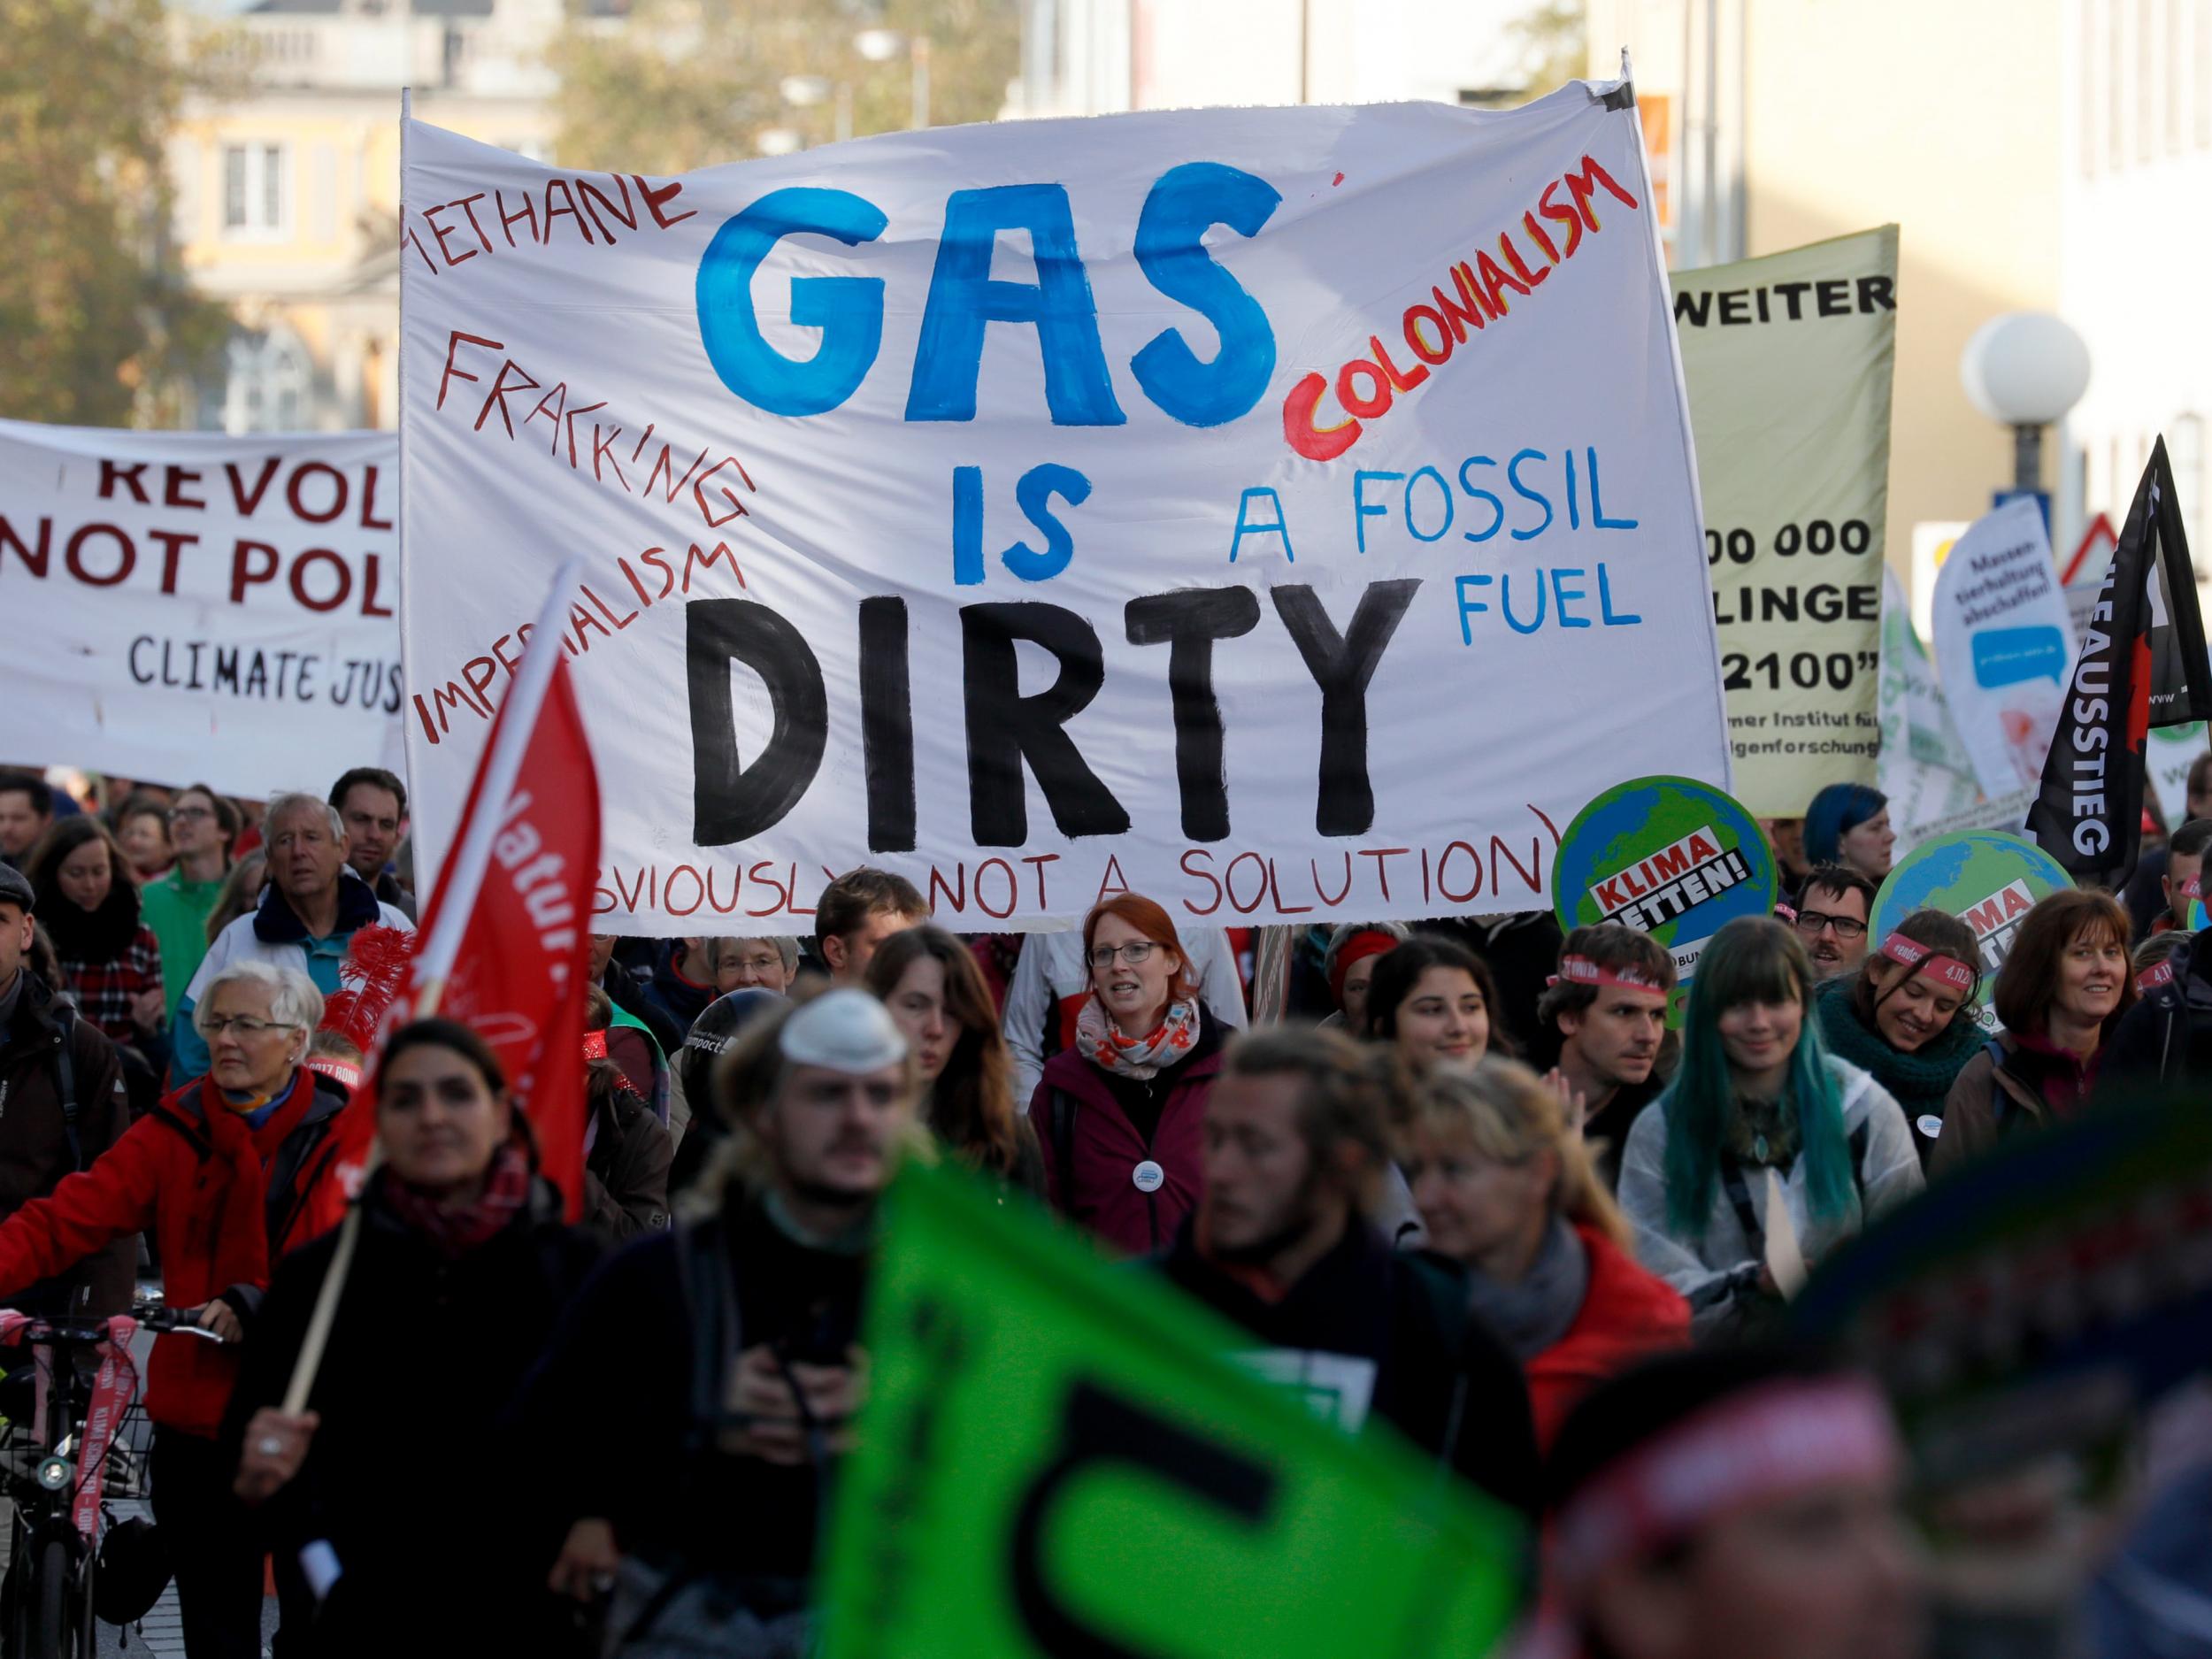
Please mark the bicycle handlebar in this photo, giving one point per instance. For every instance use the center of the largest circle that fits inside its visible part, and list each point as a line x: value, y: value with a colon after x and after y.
x: 150, y: 1316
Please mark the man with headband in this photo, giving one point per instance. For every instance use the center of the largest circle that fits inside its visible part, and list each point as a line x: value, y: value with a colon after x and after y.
x: 731, y: 1345
x: 1608, y: 1009
x: 1729, y: 1503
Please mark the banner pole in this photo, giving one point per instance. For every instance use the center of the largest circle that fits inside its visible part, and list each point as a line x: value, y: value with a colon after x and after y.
x: 450, y: 912
x: 456, y: 898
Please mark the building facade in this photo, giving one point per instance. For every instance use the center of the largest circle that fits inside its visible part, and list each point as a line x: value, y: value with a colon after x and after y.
x: 2037, y: 155
x: 287, y: 195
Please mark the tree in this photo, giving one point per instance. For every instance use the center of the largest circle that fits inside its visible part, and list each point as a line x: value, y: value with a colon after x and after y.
x: 97, y: 325
x: 682, y: 84
x: 1554, y: 37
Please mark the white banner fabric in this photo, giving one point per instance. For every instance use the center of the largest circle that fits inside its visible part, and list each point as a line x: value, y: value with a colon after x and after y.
x: 1789, y: 359
x: 190, y: 606
x: 1289, y: 514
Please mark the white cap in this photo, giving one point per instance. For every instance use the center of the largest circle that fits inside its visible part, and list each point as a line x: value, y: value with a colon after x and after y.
x: 844, y: 1030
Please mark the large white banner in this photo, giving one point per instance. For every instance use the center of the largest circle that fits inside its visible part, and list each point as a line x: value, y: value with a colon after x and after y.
x: 1789, y: 359
x: 185, y: 605
x: 1289, y: 514
x: 2004, y: 645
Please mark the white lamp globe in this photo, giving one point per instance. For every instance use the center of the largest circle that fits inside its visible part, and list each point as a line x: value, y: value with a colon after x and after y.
x: 879, y: 46
x: 778, y: 140
x: 2024, y: 368
x: 803, y: 91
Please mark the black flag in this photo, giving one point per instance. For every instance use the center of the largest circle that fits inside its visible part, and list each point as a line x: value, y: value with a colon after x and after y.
x: 2141, y: 663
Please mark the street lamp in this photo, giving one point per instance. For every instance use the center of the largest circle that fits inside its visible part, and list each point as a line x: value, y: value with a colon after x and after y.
x: 804, y: 92
x: 778, y: 140
x: 2025, y: 369
x: 880, y: 46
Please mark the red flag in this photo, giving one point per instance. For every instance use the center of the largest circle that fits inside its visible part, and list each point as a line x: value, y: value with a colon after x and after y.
x: 506, y: 940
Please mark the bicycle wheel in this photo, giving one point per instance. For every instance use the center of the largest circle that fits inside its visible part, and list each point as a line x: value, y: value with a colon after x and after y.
x: 47, y: 1627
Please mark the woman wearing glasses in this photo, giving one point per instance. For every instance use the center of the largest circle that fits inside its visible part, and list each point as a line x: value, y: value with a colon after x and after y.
x: 229, y: 1173
x: 1120, y: 1113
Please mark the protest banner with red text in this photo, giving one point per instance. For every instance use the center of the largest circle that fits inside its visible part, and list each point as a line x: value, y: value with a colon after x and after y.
x: 195, y: 605
x: 1288, y: 513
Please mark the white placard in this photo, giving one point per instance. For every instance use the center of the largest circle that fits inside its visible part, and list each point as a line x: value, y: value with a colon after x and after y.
x: 1287, y: 513
x: 194, y: 606
x: 2004, y: 645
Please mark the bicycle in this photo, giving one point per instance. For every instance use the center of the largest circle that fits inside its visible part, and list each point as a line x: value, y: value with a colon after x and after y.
x: 58, y: 1474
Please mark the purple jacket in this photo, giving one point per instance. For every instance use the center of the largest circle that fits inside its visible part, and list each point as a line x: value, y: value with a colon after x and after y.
x: 1074, y: 1107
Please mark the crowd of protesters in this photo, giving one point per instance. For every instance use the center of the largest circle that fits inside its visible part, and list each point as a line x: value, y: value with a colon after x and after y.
x: 1503, y: 1189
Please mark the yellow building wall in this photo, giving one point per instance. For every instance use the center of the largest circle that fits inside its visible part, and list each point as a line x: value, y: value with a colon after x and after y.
x: 1943, y: 116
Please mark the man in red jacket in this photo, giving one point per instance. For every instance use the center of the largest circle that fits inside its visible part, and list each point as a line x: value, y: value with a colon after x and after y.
x: 230, y: 1172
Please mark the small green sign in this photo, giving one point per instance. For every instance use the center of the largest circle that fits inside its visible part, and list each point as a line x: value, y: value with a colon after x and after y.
x: 1988, y: 878
x: 1672, y: 856
x: 1060, y: 1457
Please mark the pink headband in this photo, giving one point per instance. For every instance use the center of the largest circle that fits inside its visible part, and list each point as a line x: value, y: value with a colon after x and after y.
x: 1943, y: 970
x: 1583, y: 970
x: 1746, y: 1449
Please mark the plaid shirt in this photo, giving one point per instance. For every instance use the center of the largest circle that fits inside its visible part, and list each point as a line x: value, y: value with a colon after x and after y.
x: 104, y: 989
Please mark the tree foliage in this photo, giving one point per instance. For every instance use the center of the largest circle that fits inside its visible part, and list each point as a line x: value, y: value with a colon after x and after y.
x: 1554, y: 37
x: 688, y: 83
x: 98, y: 325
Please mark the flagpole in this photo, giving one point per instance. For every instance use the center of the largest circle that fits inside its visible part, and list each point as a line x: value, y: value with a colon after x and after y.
x: 459, y: 886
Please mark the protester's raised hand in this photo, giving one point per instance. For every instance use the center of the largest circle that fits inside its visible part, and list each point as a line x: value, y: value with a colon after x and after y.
x: 276, y: 1446
x: 586, y: 1568
x: 762, y: 1398
x: 1573, y: 1102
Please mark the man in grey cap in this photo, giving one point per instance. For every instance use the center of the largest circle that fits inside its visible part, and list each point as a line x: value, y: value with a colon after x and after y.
x: 739, y: 1332
x: 62, y: 1104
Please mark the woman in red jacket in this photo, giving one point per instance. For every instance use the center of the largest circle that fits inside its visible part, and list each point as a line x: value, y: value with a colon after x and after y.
x: 1508, y: 1189
x: 1120, y: 1116
x: 229, y: 1173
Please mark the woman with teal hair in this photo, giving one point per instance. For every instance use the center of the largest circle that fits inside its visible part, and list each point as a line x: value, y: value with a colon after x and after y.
x: 1759, y: 1115
x: 1848, y: 823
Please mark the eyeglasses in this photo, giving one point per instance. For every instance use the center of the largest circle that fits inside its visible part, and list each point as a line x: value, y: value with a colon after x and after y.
x: 244, y: 1025
x: 1810, y: 922
x: 1137, y: 951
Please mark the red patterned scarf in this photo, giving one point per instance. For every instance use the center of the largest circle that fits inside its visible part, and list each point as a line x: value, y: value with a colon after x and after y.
x: 458, y: 1230
x: 1141, y: 1057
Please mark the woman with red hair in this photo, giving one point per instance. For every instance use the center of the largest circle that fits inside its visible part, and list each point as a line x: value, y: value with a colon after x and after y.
x: 1120, y: 1113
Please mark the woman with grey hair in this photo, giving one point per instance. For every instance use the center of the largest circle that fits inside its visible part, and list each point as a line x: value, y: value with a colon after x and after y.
x: 229, y: 1173
x: 769, y: 962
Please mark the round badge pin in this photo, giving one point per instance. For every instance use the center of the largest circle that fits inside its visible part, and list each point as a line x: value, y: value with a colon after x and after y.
x: 1929, y: 1125
x: 1149, y: 1177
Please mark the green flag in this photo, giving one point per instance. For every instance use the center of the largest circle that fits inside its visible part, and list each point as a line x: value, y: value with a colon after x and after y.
x: 1059, y: 1457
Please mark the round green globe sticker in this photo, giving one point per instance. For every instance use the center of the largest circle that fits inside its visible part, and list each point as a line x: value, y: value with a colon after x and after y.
x: 1988, y: 878
x: 1670, y: 856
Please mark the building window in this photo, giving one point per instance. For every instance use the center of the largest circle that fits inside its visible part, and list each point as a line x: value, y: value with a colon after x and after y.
x: 254, y: 195
x: 266, y: 379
